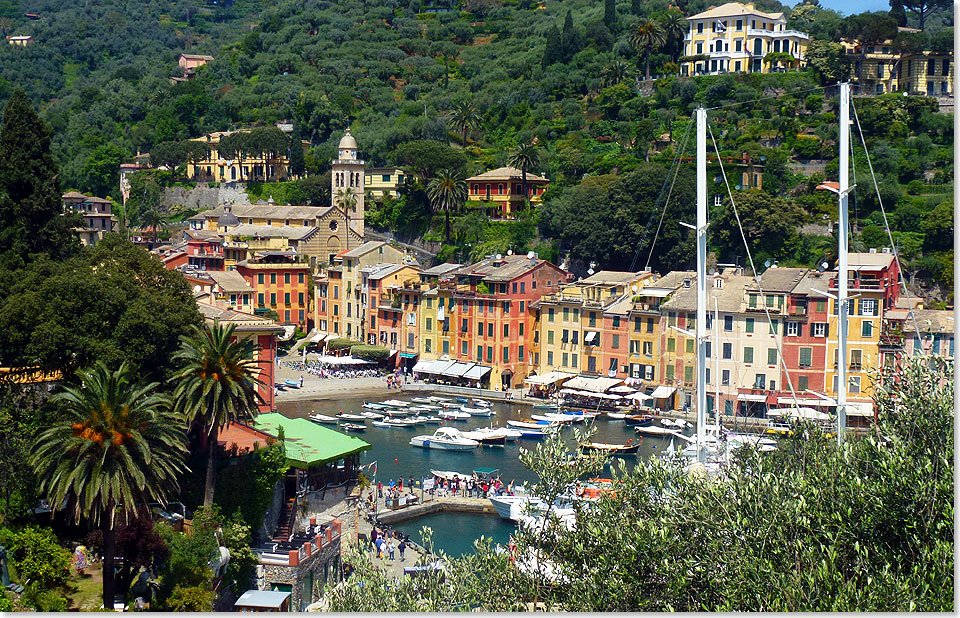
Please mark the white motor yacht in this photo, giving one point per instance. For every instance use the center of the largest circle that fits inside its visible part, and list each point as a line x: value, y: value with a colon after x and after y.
x: 445, y: 439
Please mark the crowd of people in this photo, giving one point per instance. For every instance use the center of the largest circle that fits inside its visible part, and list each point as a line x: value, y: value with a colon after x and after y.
x: 329, y: 371
x: 386, y: 543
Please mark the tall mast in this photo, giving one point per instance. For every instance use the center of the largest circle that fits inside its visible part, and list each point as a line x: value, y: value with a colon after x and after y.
x: 842, y: 266
x: 701, y: 280
x: 716, y: 362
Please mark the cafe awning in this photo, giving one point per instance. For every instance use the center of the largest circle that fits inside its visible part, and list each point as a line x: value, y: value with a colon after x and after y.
x: 456, y: 370
x: 860, y: 408
x: 802, y: 401
x: 476, y: 372
x: 594, y: 385
x: 421, y: 366
x: 549, y: 378
x: 799, y: 413
x: 662, y: 392
x: 753, y: 397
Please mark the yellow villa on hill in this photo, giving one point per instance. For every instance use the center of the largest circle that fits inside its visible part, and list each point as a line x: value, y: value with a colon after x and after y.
x: 736, y: 38
x: 248, y: 168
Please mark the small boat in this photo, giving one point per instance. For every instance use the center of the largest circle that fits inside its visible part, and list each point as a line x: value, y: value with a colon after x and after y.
x: 437, y: 399
x: 449, y: 475
x: 323, y: 419
x: 353, y: 427
x: 485, y: 438
x: 435, y: 420
x: 652, y: 430
x: 448, y: 404
x: 509, y: 506
x: 421, y: 400
x: 644, y: 420
x: 386, y: 423
x: 617, y: 416
x: 395, y: 403
x: 779, y: 429
x: 291, y: 383
x: 532, y: 434
x: 483, y: 403
x: 530, y: 424
x: 462, y: 400
x: 476, y: 411
x: 371, y: 415
x: 510, y: 434
x: 445, y: 439
x: 429, y: 406
x: 396, y: 413
x: 374, y: 406
x: 280, y: 386
x: 546, y: 406
x: 611, y: 449
x: 453, y: 415
x: 679, y: 423
x: 343, y: 416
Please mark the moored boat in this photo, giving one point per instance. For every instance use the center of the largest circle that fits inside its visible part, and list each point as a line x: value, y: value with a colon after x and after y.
x: 372, y: 415
x: 353, y: 427
x: 630, y: 448
x: 343, y: 416
x: 476, y: 411
x: 453, y: 415
x: 324, y: 419
x: 445, y: 439
x: 374, y: 406
x: 643, y: 420
x: 485, y: 438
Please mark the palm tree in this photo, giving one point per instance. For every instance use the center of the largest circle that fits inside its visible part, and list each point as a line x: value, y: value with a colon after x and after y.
x: 447, y: 192
x: 464, y: 117
x: 675, y: 27
x: 524, y: 157
x: 615, y: 73
x: 646, y: 37
x: 152, y: 217
x: 118, y: 447
x: 216, y: 384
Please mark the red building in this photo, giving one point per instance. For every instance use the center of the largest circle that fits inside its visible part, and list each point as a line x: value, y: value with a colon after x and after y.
x: 204, y: 249
x: 281, y: 282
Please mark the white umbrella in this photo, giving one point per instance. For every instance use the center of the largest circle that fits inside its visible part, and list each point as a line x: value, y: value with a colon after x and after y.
x: 638, y: 396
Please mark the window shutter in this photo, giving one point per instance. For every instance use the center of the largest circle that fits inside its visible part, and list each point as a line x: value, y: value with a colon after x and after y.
x: 799, y: 329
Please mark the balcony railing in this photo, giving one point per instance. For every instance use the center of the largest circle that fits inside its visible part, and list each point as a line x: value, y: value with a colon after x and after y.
x: 281, y: 553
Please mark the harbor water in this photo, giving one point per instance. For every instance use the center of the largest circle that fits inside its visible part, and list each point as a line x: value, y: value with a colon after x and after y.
x: 395, y: 457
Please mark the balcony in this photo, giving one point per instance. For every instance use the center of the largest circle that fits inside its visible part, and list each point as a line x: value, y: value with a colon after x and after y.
x: 304, y: 546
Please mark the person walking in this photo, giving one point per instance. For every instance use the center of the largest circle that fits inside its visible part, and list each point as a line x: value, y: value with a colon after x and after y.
x: 380, y: 543
x: 380, y: 489
x: 402, y: 547
x: 374, y: 535
x: 301, y: 380
x: 391, y: 548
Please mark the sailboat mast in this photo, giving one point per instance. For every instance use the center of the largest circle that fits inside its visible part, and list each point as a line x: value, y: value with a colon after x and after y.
x: 716, y: 362
x: 842, y: 266
x: 701, y: 391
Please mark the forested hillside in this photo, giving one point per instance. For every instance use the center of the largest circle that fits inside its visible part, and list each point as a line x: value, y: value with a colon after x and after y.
x: 433, y: 84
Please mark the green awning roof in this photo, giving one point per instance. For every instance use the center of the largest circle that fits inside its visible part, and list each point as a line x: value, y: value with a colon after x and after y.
x: 308, y: 444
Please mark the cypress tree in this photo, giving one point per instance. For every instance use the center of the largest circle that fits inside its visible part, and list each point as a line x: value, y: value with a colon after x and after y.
x: 569, y: 39
x: 552, y: 52
x: 897, y: 12
x: 610, y: 14
x: 297, y: 164
x: 31, y: 208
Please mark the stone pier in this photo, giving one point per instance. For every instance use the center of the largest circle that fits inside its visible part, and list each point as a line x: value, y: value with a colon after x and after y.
x: 452, y: 504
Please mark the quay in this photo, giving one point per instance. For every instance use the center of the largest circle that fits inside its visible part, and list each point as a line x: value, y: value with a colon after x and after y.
x: 437, y: 504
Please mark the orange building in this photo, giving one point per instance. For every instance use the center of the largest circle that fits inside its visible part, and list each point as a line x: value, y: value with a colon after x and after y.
x: 502, y: 190
x: 280, y: 281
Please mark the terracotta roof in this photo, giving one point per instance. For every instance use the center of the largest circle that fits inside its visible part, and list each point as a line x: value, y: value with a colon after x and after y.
x: 242, y: 321
x: 73, y: 194
x: 507, y: 268
x: 674, y: 279
x: 441, y: 269
x: 878, y: 260
x: 733, y: 9
x: 379, y: 271
x: 506, y: 173
x: 245, y: 439
x: 811, y: 281
x: 268, y: 211
x: 197, y: 57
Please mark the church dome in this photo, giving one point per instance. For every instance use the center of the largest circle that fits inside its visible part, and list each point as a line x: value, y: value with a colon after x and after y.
x: 227, y: 219
x: 347, y: 142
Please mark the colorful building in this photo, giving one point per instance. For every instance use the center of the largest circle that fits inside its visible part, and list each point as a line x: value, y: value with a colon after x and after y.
x: 738, y: 38
x: 878, y: 68
x: 384, y: 181
x: 248, y: 167
x: 501, y: 191
x: 204, y: 249
x: 264, y: 333
x: 281, y: 283
x: 97, y: 216
x: 805, y: 342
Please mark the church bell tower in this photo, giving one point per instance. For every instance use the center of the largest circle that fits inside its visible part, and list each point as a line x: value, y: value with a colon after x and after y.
x: 348, y: 180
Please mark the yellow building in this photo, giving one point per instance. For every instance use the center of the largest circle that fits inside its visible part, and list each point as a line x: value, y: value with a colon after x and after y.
x: 501, y: 190
x: 342, y: 296
x: 217, y: 168
x: 393, y: 315
x: 20, y: 40
x: 872, y: 280
x: 737, y: 38
x: 881, y: 68
x: 382, y: 181
x: 243, y: 241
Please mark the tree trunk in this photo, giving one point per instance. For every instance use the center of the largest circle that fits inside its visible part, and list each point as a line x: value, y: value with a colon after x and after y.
x: 647, y: 67
x: 523, y: 176
x: 211, y: 473
x: 109, y: 548
x: 447, y: 226
x: 463, y: 139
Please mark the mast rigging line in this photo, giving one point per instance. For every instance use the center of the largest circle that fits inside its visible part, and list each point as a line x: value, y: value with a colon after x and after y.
x: 757, y: 100
x: 675, y: 169
x: 756, y: 277
x: 886, y: 224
